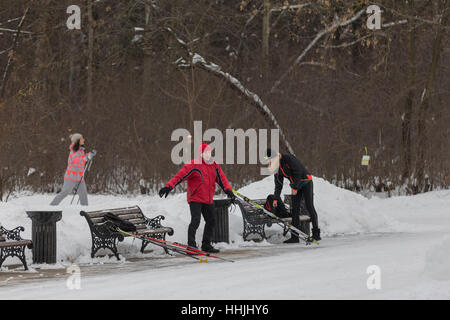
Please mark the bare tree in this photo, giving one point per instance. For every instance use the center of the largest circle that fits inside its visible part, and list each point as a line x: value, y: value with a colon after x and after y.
x: 426, y: 95
x: 11, y: 55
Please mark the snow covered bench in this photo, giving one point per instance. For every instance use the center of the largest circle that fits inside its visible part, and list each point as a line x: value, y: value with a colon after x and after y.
x: 255, y: 220
x: 12, y: 245
x: 103, y: 237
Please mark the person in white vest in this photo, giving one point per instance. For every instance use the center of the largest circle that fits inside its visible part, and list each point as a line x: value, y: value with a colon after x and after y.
x: 74, y: 176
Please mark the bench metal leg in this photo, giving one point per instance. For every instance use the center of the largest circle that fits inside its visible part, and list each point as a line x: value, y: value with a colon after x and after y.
x: 104, y: 243
x: 2, y: 258
x: 116, y: 253
x: 144, y: 244
x: 254, y: 229
x: 23, y: 259
x: 18, y: 252
x: 157, y: 236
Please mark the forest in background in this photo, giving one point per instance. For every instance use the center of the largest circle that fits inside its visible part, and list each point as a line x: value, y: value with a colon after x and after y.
x: 127, y: 79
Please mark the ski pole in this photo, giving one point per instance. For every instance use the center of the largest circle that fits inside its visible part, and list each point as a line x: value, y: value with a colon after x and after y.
x: 290, y: 227
x: 88, y: 166
x: 168, y: 247
x: 171, y: 245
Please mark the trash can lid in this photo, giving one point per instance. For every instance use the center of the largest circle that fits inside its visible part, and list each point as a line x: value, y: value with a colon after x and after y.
x: 44, y: 216
x: 221, y: 202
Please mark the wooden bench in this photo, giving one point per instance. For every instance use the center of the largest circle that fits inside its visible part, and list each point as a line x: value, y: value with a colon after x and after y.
x: 12, y: 245
x: 104, y: 238
x: 255, y: 220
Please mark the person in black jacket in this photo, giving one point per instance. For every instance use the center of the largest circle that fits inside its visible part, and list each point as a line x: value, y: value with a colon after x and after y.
x: 301, y: 183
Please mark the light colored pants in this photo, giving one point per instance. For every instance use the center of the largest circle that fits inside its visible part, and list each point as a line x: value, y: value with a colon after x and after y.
x: 67, y: 188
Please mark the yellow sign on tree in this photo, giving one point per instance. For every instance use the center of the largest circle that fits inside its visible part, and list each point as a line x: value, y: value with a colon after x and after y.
x: 365, y: 159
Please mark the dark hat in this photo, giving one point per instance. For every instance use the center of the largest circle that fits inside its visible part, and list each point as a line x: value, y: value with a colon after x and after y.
x: 270, y: 154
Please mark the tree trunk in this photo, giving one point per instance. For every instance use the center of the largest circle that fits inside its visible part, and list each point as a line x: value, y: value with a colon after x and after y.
x: 425, y: 100
x: 408, y: 108
x: 147, y: 51
x: 90, y: 64
x: 266, y: 37
x: 43, y: 52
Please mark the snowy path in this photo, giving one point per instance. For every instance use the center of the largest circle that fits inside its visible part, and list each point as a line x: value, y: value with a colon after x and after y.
x: 408, y: 238
x: 335, y: 270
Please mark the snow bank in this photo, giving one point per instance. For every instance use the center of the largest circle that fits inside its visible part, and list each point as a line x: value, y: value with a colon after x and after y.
x: 437, y: 264
x: 435, y: 280
x: 340, y: 212
x: 423, y: 212
x: 74, y: 240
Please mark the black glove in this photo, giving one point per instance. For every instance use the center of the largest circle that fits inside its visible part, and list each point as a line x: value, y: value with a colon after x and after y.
x: 164, y: 191
x: 231, y: 195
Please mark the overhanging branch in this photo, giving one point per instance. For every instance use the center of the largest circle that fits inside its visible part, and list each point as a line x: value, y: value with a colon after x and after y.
x: 196, y: 60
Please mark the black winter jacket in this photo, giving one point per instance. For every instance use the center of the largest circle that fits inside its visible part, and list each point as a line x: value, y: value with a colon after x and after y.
x: 292, y: 169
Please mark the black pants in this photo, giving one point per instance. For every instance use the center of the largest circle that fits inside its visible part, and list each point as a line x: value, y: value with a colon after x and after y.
x: 307, y: 192
x: 198, y: 209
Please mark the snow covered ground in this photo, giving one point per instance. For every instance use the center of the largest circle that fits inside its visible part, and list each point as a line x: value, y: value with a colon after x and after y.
x: 408, y: 238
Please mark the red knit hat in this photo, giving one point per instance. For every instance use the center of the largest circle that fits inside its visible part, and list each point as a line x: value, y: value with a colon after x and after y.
x: 204, y: 147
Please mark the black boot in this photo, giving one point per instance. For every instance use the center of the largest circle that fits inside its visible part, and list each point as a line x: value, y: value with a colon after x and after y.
x: 207, y: 247
x: 316, y: 234
x: 192, y: 245
x: 293, y: 239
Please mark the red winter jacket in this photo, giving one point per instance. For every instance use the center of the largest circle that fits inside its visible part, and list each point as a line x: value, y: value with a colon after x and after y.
x: 201, y: 180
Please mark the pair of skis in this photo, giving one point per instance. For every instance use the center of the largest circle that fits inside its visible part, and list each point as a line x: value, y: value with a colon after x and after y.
x: 294, y: 231
x: 201, y: 255
x: 180, y: 248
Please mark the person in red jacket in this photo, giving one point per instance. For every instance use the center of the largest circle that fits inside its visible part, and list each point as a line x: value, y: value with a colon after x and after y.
x: 201, y: 174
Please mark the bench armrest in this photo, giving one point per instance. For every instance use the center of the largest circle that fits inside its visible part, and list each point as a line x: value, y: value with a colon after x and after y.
x: 13, y: 234
x: 154, y: 223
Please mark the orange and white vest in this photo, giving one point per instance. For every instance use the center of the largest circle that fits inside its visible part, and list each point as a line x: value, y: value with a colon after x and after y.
x: 76, y: 164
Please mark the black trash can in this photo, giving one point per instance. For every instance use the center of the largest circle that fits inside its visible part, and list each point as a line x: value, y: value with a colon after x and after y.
x: 304, y: 225
x: 43, y: 232
x: 221, y: 232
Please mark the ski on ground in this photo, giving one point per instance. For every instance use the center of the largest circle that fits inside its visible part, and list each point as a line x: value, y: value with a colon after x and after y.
x: 177, y: 247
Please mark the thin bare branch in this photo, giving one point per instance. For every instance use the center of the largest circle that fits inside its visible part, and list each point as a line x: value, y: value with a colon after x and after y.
x: 294, y: 6
x: 15, y: 31
x: 312, y: 44
x: 8, y: 65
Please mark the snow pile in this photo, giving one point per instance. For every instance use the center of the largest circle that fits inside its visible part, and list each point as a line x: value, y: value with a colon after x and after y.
x: 420, y: 212
x: 437, y: 265
x: 74, y: 239
x: 340, y: 212
x: 435, y: 279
